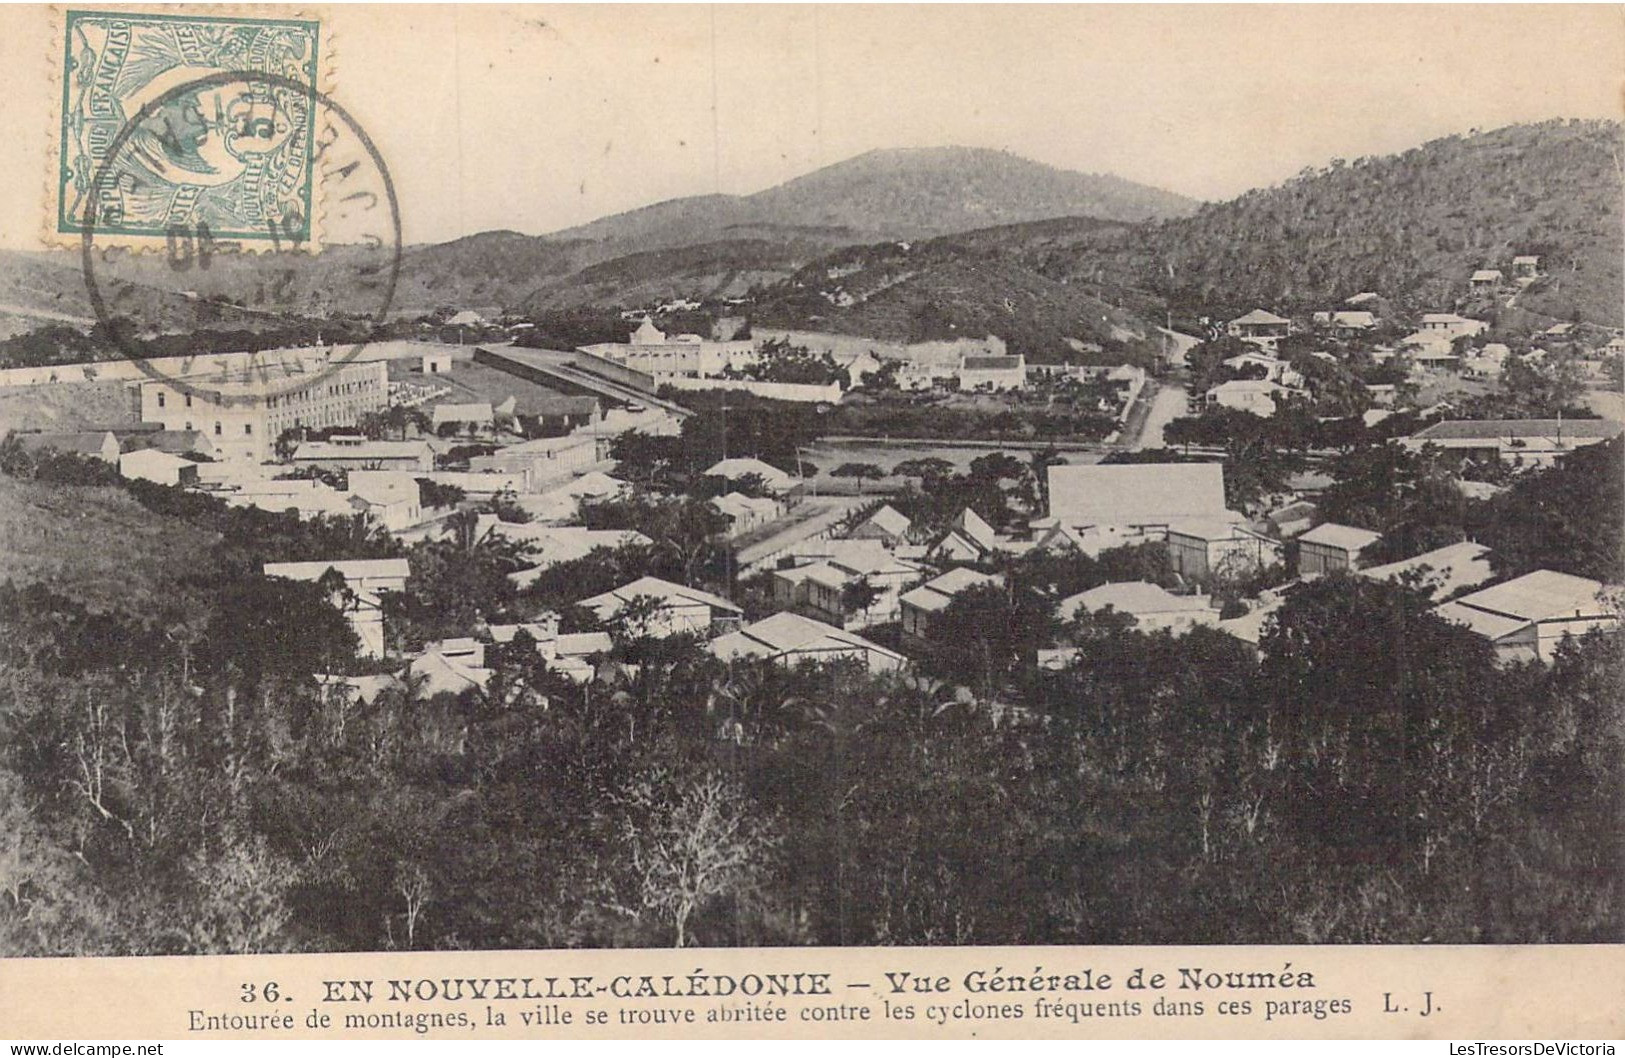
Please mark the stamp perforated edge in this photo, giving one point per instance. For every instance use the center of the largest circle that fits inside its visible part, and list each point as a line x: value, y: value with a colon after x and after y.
x: 52, y: 237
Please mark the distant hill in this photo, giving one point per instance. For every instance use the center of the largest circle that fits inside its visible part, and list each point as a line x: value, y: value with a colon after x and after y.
x: 705, y: 246
x: 37, y: 289
x: 723, y: 245
x: 950, y: 288
x: 933, y: 242
x: 889, y: 194
x: 1412, y: 226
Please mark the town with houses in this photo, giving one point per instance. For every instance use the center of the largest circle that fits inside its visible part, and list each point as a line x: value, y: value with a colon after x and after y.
x: 467, y: 633
x: 386, y: 435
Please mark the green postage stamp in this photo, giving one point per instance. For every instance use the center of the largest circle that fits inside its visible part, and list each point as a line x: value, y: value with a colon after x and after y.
x: 191, y: 123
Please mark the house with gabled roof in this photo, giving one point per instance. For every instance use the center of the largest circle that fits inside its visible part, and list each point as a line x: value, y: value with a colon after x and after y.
x: 969, y: 538
x: 1275, y: 369
x: 677, y: 608
x: 1258, y: 396
x: 359, y: 453
x: 1449, y: 323
x: 919, y: 606
x: 1153, y: 607
x: 1201, y: 548
x: 96, y: 444
x: 818, y: 574
x: 887, y: 524
x: 161, y: 468
x: 747, y: 513
x: 1487, y: 280
x: 1251, y: 626
x: 541, y: 460
x: 996, y: 373
x: 1330, y: 547
x: 1345, y: 323
x: 732, y: 470
x: 1101, y: 506
x: 477, y: 417
x: 789, y: 639
x: 1528, y: 617
x: 1291, y: 519
x: 1260, y: 326
x: 1520, y: 442
x: 570, y: 654
x: 547, y: 546
x: 389, y: 499
x: 441, y: 669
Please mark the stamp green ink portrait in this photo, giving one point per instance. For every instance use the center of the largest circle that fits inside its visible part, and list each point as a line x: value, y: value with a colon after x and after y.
x: 229, y: 156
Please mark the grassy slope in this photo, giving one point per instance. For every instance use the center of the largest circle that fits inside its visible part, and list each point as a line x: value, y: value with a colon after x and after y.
x: 95, y: 544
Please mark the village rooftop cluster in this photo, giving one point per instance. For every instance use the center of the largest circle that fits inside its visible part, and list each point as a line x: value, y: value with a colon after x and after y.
x: 498, y: 440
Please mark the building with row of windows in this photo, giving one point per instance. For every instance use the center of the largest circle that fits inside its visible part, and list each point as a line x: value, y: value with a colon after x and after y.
x: 243, y: 414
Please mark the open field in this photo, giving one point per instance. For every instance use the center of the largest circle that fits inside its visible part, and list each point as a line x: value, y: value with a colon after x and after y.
x: 95, y: 544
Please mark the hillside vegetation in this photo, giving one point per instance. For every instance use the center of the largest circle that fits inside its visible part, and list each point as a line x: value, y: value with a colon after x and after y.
x: 1413, y: 226
x: 939, y: 290
x: 942, y: 242
x: 96, y: 545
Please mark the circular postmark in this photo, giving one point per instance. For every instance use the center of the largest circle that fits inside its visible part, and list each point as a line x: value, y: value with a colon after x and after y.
x: 328, y: 259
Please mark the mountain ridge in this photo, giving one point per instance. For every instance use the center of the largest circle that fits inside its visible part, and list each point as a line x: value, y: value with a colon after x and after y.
x: 901, y: 193
x: 1412, y: 225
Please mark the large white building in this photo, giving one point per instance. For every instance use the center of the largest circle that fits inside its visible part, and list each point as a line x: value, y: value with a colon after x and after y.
x: 649, y: 350
x: 1092, y: 508
x: 1529, y: 616
x: 243, y: 413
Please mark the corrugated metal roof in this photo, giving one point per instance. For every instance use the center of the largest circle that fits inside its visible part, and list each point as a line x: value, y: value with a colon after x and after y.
x: 461, y: 413
x: 1540, y: 596
x: 1346, y: 537
x: 1136, y: 493
x: 1462, y: 566
x: 991, y: 363
x: 1496, y: 429
x: 1131, y: 597
x: 938, y: 593
x: 676, y: 594
x: 1491, y: 626
x: 888, y: 519
x: 349, y: 569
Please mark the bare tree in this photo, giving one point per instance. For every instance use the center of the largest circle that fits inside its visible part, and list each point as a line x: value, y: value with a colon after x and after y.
x: 691, y: 840
x: 412, y: 885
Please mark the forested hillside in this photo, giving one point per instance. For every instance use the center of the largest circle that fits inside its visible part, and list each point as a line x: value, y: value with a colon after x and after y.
x: 940, y: 289
x: 1412, y: 226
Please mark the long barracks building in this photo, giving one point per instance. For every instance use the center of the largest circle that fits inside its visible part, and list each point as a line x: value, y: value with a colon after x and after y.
x: 259, y: 406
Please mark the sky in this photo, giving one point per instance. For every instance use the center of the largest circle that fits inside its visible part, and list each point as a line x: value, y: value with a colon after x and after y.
x: 538, y: 118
